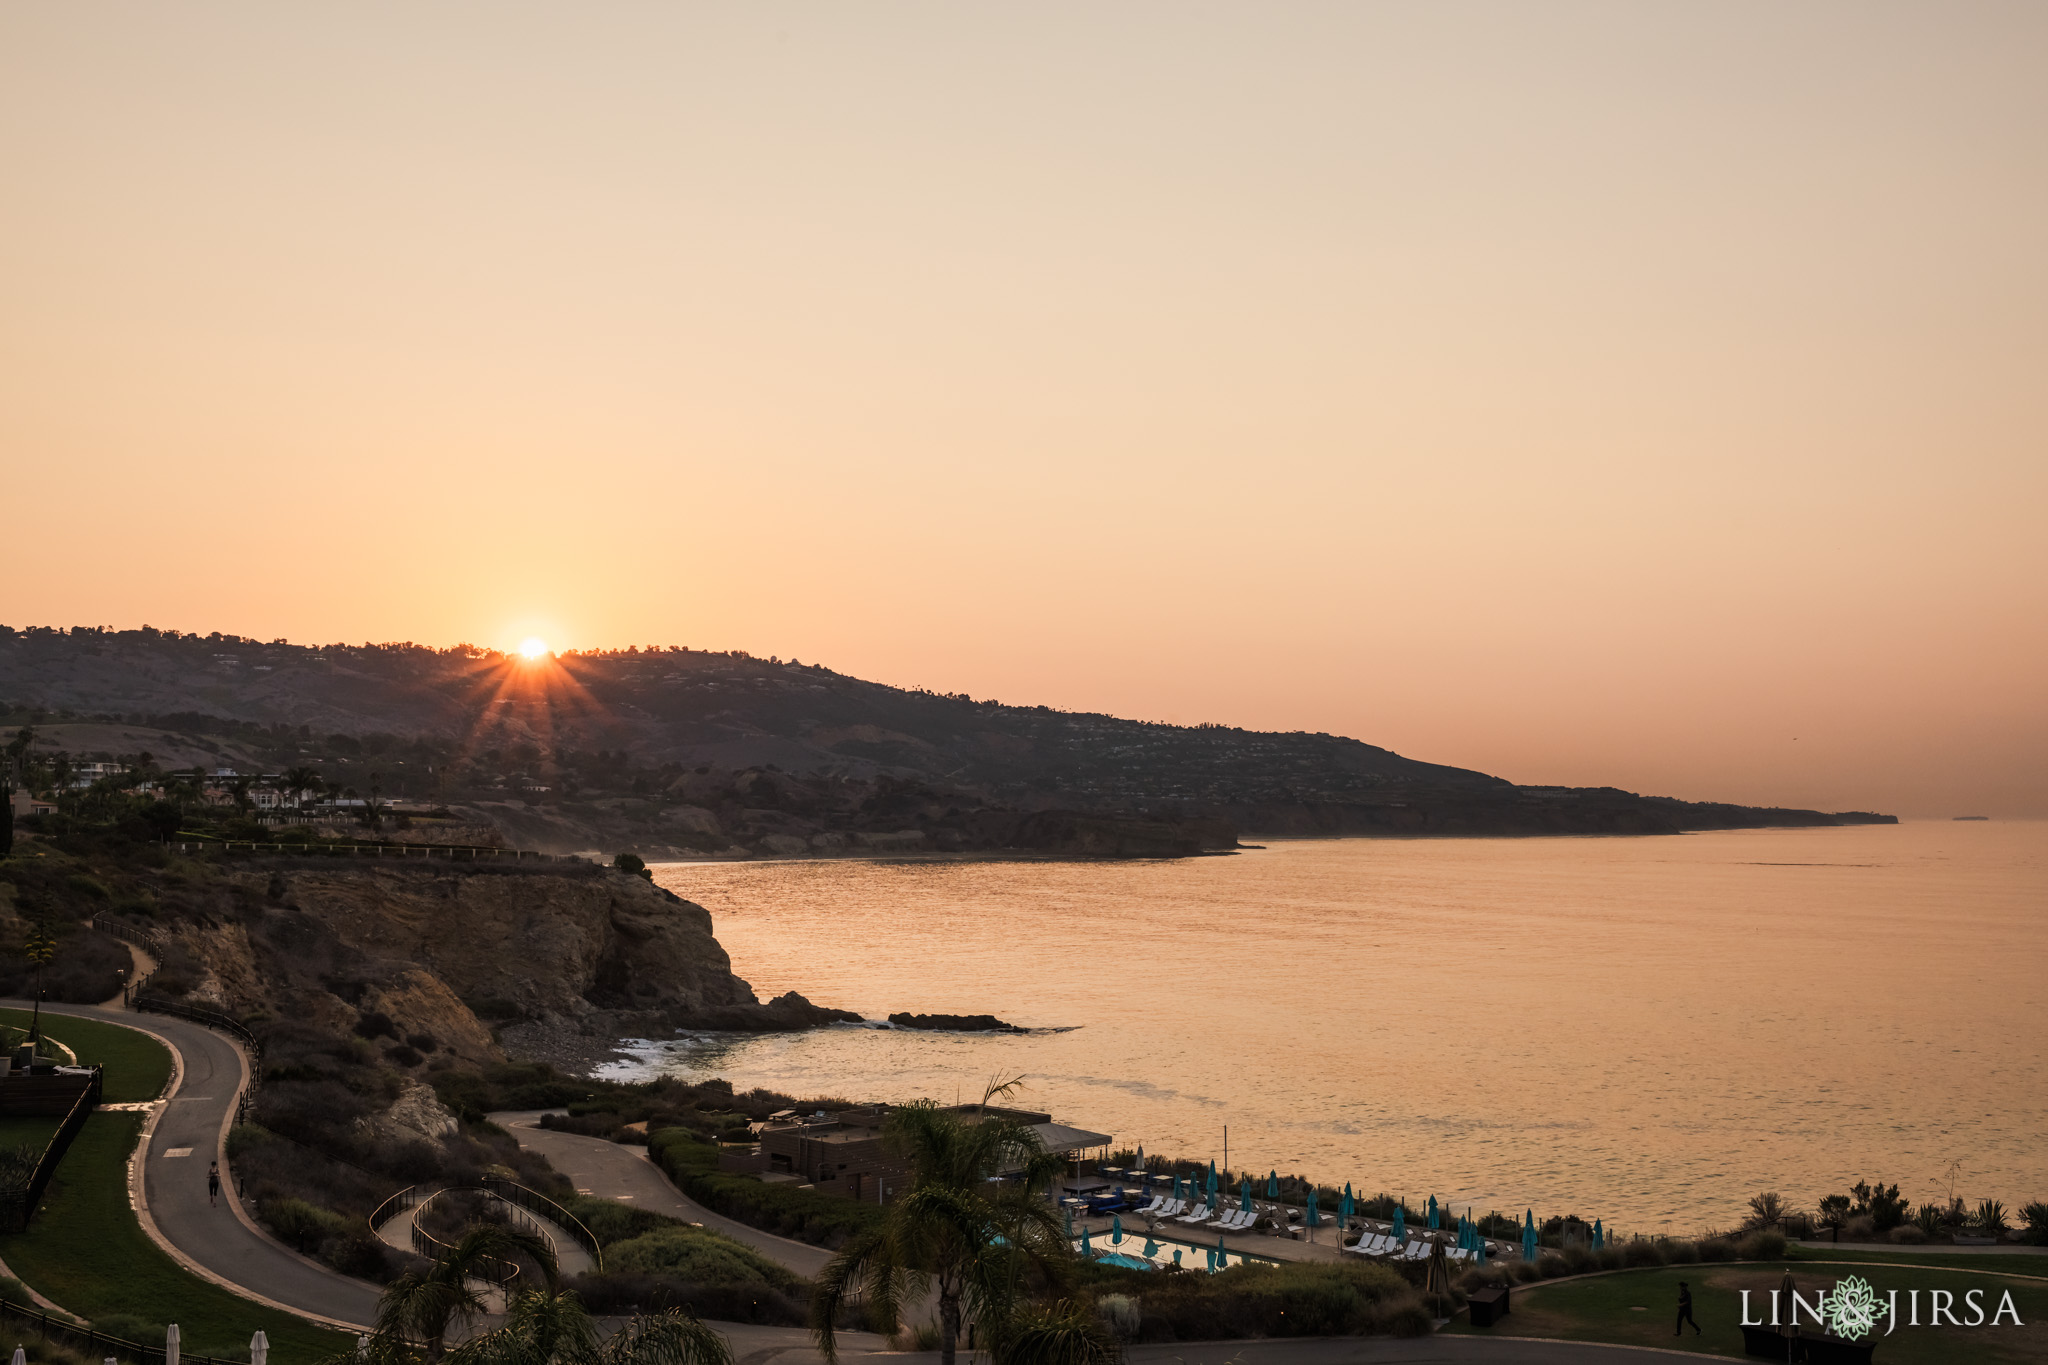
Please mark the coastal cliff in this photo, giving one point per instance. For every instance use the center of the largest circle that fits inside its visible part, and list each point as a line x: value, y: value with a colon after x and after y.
x: 462, y: 954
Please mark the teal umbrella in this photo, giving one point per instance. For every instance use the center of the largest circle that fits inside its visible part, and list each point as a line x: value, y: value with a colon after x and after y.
x: 1272, y: 1184
x: 1176, y: 1258
x: 1151, y: 1248
x: 1599, y: 1237
x: 1176, y: 1189
x: 1087, y: 1244
x: 1116, y: 1229
x: 1345, y: 1209
x: 1432, y: 1213
x: 1244, y: 1195
x: 1479, y: 1251
x: 1212, y: 1203
x: 1312, y: 1218
x: 1212, y: 1177
x: 1219, y: 1252
x: 1400, y: 1221
x: 1529, y: 1234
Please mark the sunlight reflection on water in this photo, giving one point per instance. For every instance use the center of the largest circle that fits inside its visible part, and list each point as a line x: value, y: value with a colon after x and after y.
x: 1647, y: 1030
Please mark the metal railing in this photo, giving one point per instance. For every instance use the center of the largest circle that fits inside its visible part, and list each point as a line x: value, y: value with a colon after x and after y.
x: 535, y: 1202
x: 92, y: 1344
x: 522, y: 1201
x: 491, y: 1268
x: 146, y: 939
x: 18, y: 1205
x: 452, y: 852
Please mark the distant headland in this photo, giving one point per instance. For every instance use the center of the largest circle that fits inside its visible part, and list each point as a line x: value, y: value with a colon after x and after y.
x: 676, y: 752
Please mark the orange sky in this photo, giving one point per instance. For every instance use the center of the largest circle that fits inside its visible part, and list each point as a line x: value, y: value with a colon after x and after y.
x: 1647, y: 394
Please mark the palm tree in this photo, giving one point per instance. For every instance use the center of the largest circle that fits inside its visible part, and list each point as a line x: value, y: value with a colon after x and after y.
x: 421, y: 1305
x: 552, y: 1328
x: 968, y: 1237
x: 299, y: 781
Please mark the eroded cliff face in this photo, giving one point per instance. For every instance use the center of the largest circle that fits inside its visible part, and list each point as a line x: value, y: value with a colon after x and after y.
x: 449, y: 952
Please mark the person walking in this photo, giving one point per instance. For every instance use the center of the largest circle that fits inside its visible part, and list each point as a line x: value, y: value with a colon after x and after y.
x: 213, y: 1185
x: 1685, y: 1311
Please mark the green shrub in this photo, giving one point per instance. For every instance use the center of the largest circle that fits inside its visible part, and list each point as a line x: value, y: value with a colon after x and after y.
x: 1716, y: 1249
x: 1256, y: 1300
x: 300, y: 1225
x: 14, y: 1291
x: 1637, y: 1255
x: 1580, y: 1260
x: 698, y: 1256
x: 808, y: 1215
x: 1610, y: 1258
x: 1768, y: 1245
x: 1525, y: 1271
x: 1909, y: 1234
x: 1552, y: 1266
x: 1681, y: 1253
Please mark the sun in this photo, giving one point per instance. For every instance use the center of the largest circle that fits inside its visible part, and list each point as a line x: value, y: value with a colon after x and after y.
x: 533, y: 647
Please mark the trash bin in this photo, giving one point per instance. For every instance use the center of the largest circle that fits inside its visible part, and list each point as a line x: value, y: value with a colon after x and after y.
x: 1488, y: 1305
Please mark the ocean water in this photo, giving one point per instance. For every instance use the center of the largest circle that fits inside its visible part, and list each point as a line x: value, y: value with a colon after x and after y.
x: 1644, y: 1030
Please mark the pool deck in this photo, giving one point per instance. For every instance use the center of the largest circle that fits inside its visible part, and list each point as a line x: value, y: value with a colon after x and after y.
x: 1322, y: 1244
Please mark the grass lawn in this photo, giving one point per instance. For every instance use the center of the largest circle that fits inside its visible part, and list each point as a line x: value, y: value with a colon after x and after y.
x: 138, y: 1066
x: 2037, y: 1266
x: 85, y: 1250
x: 1638, y: 1308
x: 33, y: 1132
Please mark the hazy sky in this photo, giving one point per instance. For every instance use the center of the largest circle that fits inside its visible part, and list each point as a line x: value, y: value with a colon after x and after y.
x: 1646, y: 394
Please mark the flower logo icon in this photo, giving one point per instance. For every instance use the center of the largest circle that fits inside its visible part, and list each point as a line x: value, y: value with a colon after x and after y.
x: 1852, y: 1308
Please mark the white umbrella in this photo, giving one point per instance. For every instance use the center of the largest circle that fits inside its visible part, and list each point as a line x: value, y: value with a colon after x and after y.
x: 171, y: 1344
x: 259, y: 1349
x: 362, y: 1345
x: 20, y: 1357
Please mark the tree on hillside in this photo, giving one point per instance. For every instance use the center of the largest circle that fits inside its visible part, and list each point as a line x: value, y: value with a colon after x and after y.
x: 980, y: 1243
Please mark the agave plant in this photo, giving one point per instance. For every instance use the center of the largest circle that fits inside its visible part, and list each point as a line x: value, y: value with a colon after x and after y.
x: 2035, y: 1216
x: 1989, y: 1217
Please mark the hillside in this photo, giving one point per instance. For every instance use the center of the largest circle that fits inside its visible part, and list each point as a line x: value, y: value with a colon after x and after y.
x: 670, y: 749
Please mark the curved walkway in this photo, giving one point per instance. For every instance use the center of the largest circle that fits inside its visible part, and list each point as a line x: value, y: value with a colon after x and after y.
x: 611, y: 1170
x: 221, y: 1244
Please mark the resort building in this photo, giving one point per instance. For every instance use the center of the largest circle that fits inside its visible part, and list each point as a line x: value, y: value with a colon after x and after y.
x: 845, y: 1153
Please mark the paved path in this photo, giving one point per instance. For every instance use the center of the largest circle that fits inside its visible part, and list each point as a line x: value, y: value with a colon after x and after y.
x: 612, y: 1170
x: 223, y: 1243
x: 1901, y: 1250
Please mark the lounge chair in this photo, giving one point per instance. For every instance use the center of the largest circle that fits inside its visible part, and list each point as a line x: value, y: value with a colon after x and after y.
x: 1167, y: 1208
x: 1200, y: 1215
x: 1242, y: 1219
x: 1158, y: 1202
x: 1459, y: 1254
x: 1378, y: 1244
x: 1417, y: 1251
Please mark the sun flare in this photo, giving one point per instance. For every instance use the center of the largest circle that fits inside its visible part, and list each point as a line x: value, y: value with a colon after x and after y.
x: 533, y: 647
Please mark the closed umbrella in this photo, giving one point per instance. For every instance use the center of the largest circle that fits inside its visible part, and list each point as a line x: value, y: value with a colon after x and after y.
x: 1432, y: 1213
x: 1788, y: 1319
x: 1529, y: 1234
x: 1116, y: 1229
x: 1400, y: 1220
x: 1220, y: 1253
x: 1212, y: 1178
x: 1345, y: 1209
x: 1599, y: 1235
x: 1070, y: 1223
x: 1312, y: 1217
x: 171, y: 1344
x: 259, y: 1349
x: 1479, y: 1251
x: 1272, y: 1184
x: 20, y: 1357
x: 1176, y: 1189
x: 1212, y: 1203
x: 1244, y: 1195
x: 1087, y: 1244
x: 1151, y: 1248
